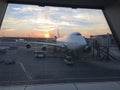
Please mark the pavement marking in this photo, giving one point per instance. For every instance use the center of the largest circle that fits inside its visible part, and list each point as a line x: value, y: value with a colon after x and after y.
x: 75, y: 86
x: 25, y: 71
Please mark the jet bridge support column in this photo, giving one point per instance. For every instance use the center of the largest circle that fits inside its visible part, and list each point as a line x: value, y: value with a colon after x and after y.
x: 3, y: 7
x: 112, y: 14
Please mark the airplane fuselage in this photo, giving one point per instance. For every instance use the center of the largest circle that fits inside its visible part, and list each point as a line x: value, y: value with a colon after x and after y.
x: 73, y: 41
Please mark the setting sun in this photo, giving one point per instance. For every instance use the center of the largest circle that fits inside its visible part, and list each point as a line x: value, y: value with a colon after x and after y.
x: 47, y: 35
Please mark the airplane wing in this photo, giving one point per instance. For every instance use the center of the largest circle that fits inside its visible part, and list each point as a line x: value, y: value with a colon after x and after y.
x: 49, y: 44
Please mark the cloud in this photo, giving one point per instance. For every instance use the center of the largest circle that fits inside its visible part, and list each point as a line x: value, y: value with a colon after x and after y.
x: 35, y: 18
x: 17, y: 9
x: 7, y: 29
x: 27, y: 8
x: 63, y: 15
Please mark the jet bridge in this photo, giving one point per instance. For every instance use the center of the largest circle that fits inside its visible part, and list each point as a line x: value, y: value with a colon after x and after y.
x: 111, y: 9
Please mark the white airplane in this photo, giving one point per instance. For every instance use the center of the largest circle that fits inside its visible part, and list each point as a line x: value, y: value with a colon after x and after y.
x: 72, y: 41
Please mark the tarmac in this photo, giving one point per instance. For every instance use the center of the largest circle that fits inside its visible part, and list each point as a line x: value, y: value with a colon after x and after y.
x: 52, y: 72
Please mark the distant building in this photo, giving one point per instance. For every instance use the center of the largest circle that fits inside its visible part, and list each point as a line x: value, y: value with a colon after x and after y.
x: 14, y: 39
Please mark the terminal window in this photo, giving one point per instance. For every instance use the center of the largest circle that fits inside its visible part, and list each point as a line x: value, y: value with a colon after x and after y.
x: 56, y: 44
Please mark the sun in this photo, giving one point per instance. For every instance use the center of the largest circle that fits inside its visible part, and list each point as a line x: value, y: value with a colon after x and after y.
x: 47, y: 35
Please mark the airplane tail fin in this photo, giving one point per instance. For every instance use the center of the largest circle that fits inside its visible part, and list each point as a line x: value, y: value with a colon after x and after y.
x: 58, y: 33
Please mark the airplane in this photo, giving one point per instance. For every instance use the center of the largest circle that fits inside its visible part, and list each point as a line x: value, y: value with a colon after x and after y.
x: 72, y: 42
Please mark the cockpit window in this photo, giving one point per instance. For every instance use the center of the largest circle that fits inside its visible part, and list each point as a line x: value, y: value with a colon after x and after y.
x: 78, y: 34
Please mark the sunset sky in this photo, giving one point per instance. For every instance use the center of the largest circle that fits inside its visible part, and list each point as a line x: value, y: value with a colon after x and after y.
x: 34, y: 21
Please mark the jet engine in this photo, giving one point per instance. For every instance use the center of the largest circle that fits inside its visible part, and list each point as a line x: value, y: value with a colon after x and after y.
x: 44, y: 48
x: 28, y: 46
